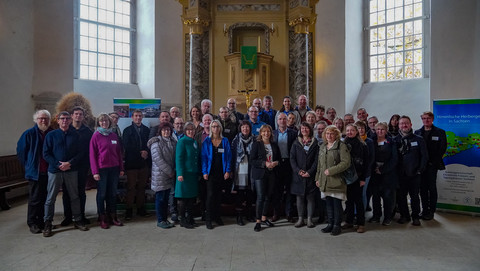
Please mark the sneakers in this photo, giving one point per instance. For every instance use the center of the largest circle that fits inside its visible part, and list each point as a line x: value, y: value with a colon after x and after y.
x: 268, y: 223
x: 35, y: 229
x: 80, y: 225
x: 47, y: 232
x: 164, y: 224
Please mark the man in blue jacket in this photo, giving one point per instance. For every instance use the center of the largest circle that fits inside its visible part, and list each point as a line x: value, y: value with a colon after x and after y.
x: 436, y: 141
x: 412, y: 160
x: 29, y: 152
x: 61, y: 151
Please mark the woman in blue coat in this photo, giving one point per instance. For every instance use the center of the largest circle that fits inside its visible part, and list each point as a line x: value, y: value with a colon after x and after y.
x: 187, y: 161
x: 216, y: 159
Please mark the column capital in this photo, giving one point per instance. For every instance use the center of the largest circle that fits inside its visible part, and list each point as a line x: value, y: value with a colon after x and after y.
x: 301, y: 15
x: 196, y: 25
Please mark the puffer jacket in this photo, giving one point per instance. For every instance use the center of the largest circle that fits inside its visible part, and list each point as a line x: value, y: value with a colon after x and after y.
x: 327, y: 159
x: 163, y: 162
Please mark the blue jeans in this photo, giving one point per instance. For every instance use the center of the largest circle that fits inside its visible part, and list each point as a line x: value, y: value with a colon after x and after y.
x: 107, y: 190
x: 334, y: 210
x: 55, y: 181
x: 161, y: 204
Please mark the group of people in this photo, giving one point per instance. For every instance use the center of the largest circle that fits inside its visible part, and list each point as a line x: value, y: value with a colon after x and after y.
x: 275, y: 160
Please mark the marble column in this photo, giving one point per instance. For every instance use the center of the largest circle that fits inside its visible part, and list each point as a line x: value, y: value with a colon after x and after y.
x: 301, y: 66
x: 196, y: 69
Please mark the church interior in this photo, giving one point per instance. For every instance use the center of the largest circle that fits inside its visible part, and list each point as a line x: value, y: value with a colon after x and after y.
x: 183, y: 51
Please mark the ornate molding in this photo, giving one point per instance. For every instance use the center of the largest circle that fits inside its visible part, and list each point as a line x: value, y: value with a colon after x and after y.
x: 249, y: 25
x: 196, y: 25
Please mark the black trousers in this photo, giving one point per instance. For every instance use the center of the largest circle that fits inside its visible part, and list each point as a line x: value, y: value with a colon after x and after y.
x: 282, y: 195
x: 355, y: 204
x: 37, y: 191
x: 213, y: 197
x: 264, y: 188
x: 409, y: 186
x: 428, y: 190
x: 82, y: 182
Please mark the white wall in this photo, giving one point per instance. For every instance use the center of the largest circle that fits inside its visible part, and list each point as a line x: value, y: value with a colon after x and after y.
x: 330, y: 54
x: 455, y: 65
x: 353, y: 53
x: 16, y: 71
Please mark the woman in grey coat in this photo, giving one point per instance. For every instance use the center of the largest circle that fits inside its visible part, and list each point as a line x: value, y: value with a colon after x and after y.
x: 162, y: 148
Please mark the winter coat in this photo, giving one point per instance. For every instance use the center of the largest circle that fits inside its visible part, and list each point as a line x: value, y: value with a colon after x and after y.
x: 300, y: 159
x: 187, y: 162
x: 359, y: 155
x: 29, y: 151
x: 386, y: 156
x: 327, y: 159
x: 258, y: 157
x: 163, y: 162
x: 413, y: 155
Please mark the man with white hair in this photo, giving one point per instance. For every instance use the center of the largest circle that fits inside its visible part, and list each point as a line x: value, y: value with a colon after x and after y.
x: 206, y: 106
x: 174, y: 113
x: 29, y: 152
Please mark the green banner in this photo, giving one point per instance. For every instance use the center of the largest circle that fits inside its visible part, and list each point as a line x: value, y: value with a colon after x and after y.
x: 249, y: 57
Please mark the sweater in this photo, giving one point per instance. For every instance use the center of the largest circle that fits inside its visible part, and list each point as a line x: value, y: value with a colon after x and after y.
x: 105, y: 152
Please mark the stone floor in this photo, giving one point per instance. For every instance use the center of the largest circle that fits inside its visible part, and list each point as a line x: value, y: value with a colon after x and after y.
x: 450, y: 242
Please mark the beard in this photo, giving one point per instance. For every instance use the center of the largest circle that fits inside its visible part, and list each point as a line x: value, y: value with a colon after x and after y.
x: 42, y: 127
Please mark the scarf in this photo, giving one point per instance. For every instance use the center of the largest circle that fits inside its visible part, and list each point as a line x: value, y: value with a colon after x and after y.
x: 104, y: 131
x: 243, y: 146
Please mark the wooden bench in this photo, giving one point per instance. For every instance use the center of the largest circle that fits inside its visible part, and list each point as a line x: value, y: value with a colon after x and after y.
x: 12, y: 176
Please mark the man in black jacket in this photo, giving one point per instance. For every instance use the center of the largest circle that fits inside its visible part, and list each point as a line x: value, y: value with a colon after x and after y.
x: 436, y: 141
x: 137, y: 162
x: 284, y: 138
x: 412, y: 159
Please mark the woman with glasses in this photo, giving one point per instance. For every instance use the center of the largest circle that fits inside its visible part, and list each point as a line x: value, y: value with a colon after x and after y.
x: 107, y: 165
x: 187, y: 161
x: 216, y: 159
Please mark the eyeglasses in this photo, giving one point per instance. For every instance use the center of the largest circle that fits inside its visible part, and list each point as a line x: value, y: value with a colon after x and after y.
x: 64, y: 119
x: 215, y: 126
x: 179, y: 123
x: 43, y: 118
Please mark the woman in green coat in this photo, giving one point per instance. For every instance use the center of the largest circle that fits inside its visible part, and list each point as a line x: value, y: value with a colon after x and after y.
x: 187, y: 161
x: 333, y: 160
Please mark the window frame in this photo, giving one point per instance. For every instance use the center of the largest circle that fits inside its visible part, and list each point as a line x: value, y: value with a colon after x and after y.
x: 133, y: 44
x: 425, y: 17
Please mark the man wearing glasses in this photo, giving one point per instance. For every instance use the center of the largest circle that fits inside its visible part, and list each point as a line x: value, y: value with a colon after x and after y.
x: 62, y: 153
x: 253, y: 119
x: 29, y: 152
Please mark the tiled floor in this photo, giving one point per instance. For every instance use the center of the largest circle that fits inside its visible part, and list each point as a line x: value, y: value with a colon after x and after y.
x: 450, y: 242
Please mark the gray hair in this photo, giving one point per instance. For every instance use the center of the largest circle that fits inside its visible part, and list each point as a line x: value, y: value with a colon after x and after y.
x: 41, y: 112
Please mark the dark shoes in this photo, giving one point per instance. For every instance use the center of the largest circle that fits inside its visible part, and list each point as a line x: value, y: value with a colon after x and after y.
x: 416, y: 222
x: 143, y: 212
x: 35, y: 229
x: 128, y: 214
x: 328, y: 228
x: 336, y: 230
x: 209, y: 225
x: 240, y: 220
x: 387, y: 222
x: 80, y: 225
x: 258, y: 227
x: 66, y: 221
x: 47, y: 232
x: 427, y: 216
x: 403, y: 220
x: 219, y: 221
x: 185, y: 224
x: 85, y: 220
x: 374, y: 219
x: 267, y: 222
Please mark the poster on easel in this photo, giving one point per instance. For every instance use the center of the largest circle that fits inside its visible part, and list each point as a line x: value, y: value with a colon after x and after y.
x: 459, y: 185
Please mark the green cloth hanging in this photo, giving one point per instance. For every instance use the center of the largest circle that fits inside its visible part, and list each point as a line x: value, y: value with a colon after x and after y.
x: 249, y: 57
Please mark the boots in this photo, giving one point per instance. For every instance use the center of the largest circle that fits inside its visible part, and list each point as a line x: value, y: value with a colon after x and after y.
x: 336, y: 230
x: 300, y: 223
x: 114, y: 220
x: 104, y: 222
x: 310, y: 223
x: 47, y: 232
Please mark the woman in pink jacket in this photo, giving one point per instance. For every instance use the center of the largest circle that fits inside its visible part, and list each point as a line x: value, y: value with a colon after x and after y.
x: 107, y: 165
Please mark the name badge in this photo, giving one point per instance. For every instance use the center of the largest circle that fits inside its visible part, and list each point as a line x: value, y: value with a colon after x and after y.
x: 435, y: 138
x: 195, y: 144
x: 227, y: 130
x: 221, y: 150
x: 258, y: 130
x: 114, y: 142
x: 381, y: 143
x: 414, y: 143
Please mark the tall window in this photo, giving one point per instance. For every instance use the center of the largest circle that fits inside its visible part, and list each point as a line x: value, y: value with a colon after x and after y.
x: 105, y: 32
x: 396, y: 39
